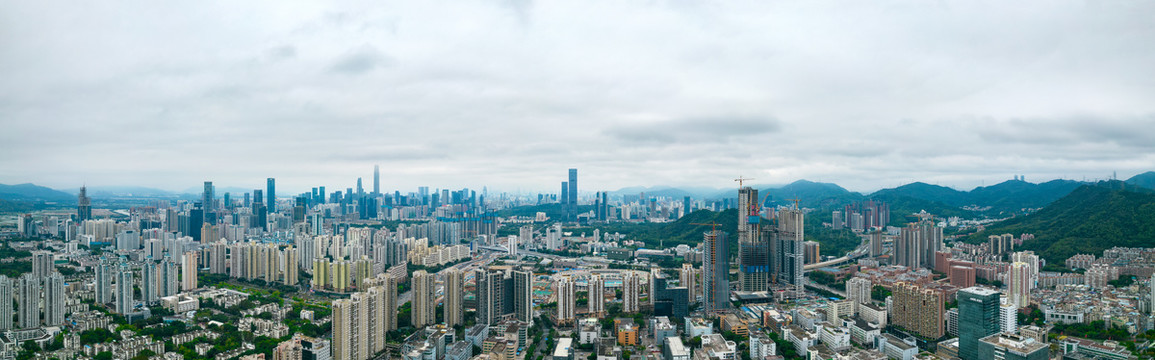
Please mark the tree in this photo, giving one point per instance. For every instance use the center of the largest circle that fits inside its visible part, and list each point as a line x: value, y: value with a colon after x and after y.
x: 879, y: 293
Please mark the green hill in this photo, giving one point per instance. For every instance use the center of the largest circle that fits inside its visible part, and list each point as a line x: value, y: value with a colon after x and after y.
x: 814, y: 195
x: 1090, y: 219
x: 928, y: 192
x: 1146, y: 180
x: 1015, y: 195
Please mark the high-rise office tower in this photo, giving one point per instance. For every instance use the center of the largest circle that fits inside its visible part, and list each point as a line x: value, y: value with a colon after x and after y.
x: 42, y: 264
x: 29, y: 301
x: 5, y: 306
x: 196, y: 219
x: 376, y: 180
x: 424, y: 309
x: 918, y: 309
x: 83, y: 206
x: 124, y: 299
x: 564, y: 198
x: 188, y: 268
x: 103, y: 281
x: 753, y: 247
x: 1020, y: 285
x: 715, y: 270
x: 572, y: 200
x: 566, y: 300
x: 360, y: 189
x: 454, y: 297
x: 148, y: 282
x: 790, y: 250
x: 271, y: 192
x: 631, y: 287
x: 209, y: 199
x: 597, y: 296
x: 688, y: 277
x: 54, y: 299
x: 978, y: 313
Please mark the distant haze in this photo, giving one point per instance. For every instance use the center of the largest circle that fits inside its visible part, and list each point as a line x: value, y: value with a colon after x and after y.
x: 510, y: 94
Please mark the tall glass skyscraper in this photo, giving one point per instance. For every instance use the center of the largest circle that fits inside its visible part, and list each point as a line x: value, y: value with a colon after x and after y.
x: 271, y: 192
x: 978, y: 317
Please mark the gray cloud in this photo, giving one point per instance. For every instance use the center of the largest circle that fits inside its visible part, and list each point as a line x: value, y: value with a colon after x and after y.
x: 510, y: 94
x: 360, y: 60
x: 694, y: 130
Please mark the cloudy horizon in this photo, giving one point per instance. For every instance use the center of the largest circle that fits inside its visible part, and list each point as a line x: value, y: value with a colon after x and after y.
x: 510, y: 94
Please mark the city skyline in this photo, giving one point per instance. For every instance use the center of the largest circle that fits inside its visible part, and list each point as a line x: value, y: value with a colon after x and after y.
x: 873, y: 96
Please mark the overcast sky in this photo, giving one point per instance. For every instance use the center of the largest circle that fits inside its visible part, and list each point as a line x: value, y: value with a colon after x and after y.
x: 509, y: 94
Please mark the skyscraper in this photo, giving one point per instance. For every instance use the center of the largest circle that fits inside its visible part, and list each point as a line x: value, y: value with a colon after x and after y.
x: 271, y: 192
x: 715, y: 270
x: 344, y: 329
x: 188, y: 268
x: 103, y: 282
x: 454, y: 297
x: 83, y: 206
x: 919, y: 309
x: 630, y: 290
x: 208, y: 198
x: 148, y: 282
x: 753, y: 249
x: 566, y: 300
x: 571, y: 209
x: 597, y: 296
x: 522, y: 295
x: 5, y: 306
x: 978, y: 317
x: 167, y: 275
x: 54, y: 299
x: 916, y: 245
x: 1020, y: 285
x: 376, y: 180
x: 489, y: 295
x: 124, y: 299
x: 42, y: 264
x: 29, y: 301
x: 424, y: 309
x: 790, y: 250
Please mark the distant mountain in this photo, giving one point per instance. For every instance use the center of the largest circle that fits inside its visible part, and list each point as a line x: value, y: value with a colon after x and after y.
x: 126, y: 191
x: 924, y: 191
x: 1015, y: 195
x: 667, y: 191
x: 31, y: 192
x: 1090, y: 219
x: 1012, y: 196
x: 811, y: 194
x: 1146, y: 180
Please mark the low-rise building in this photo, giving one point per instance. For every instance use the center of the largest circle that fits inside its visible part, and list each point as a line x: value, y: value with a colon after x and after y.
x: 1012, y: 347
x: 895, y: 348
x: 715, y: 347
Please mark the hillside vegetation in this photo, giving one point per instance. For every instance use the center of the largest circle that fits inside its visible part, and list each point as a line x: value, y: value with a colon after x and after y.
x: 1090, y: 219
